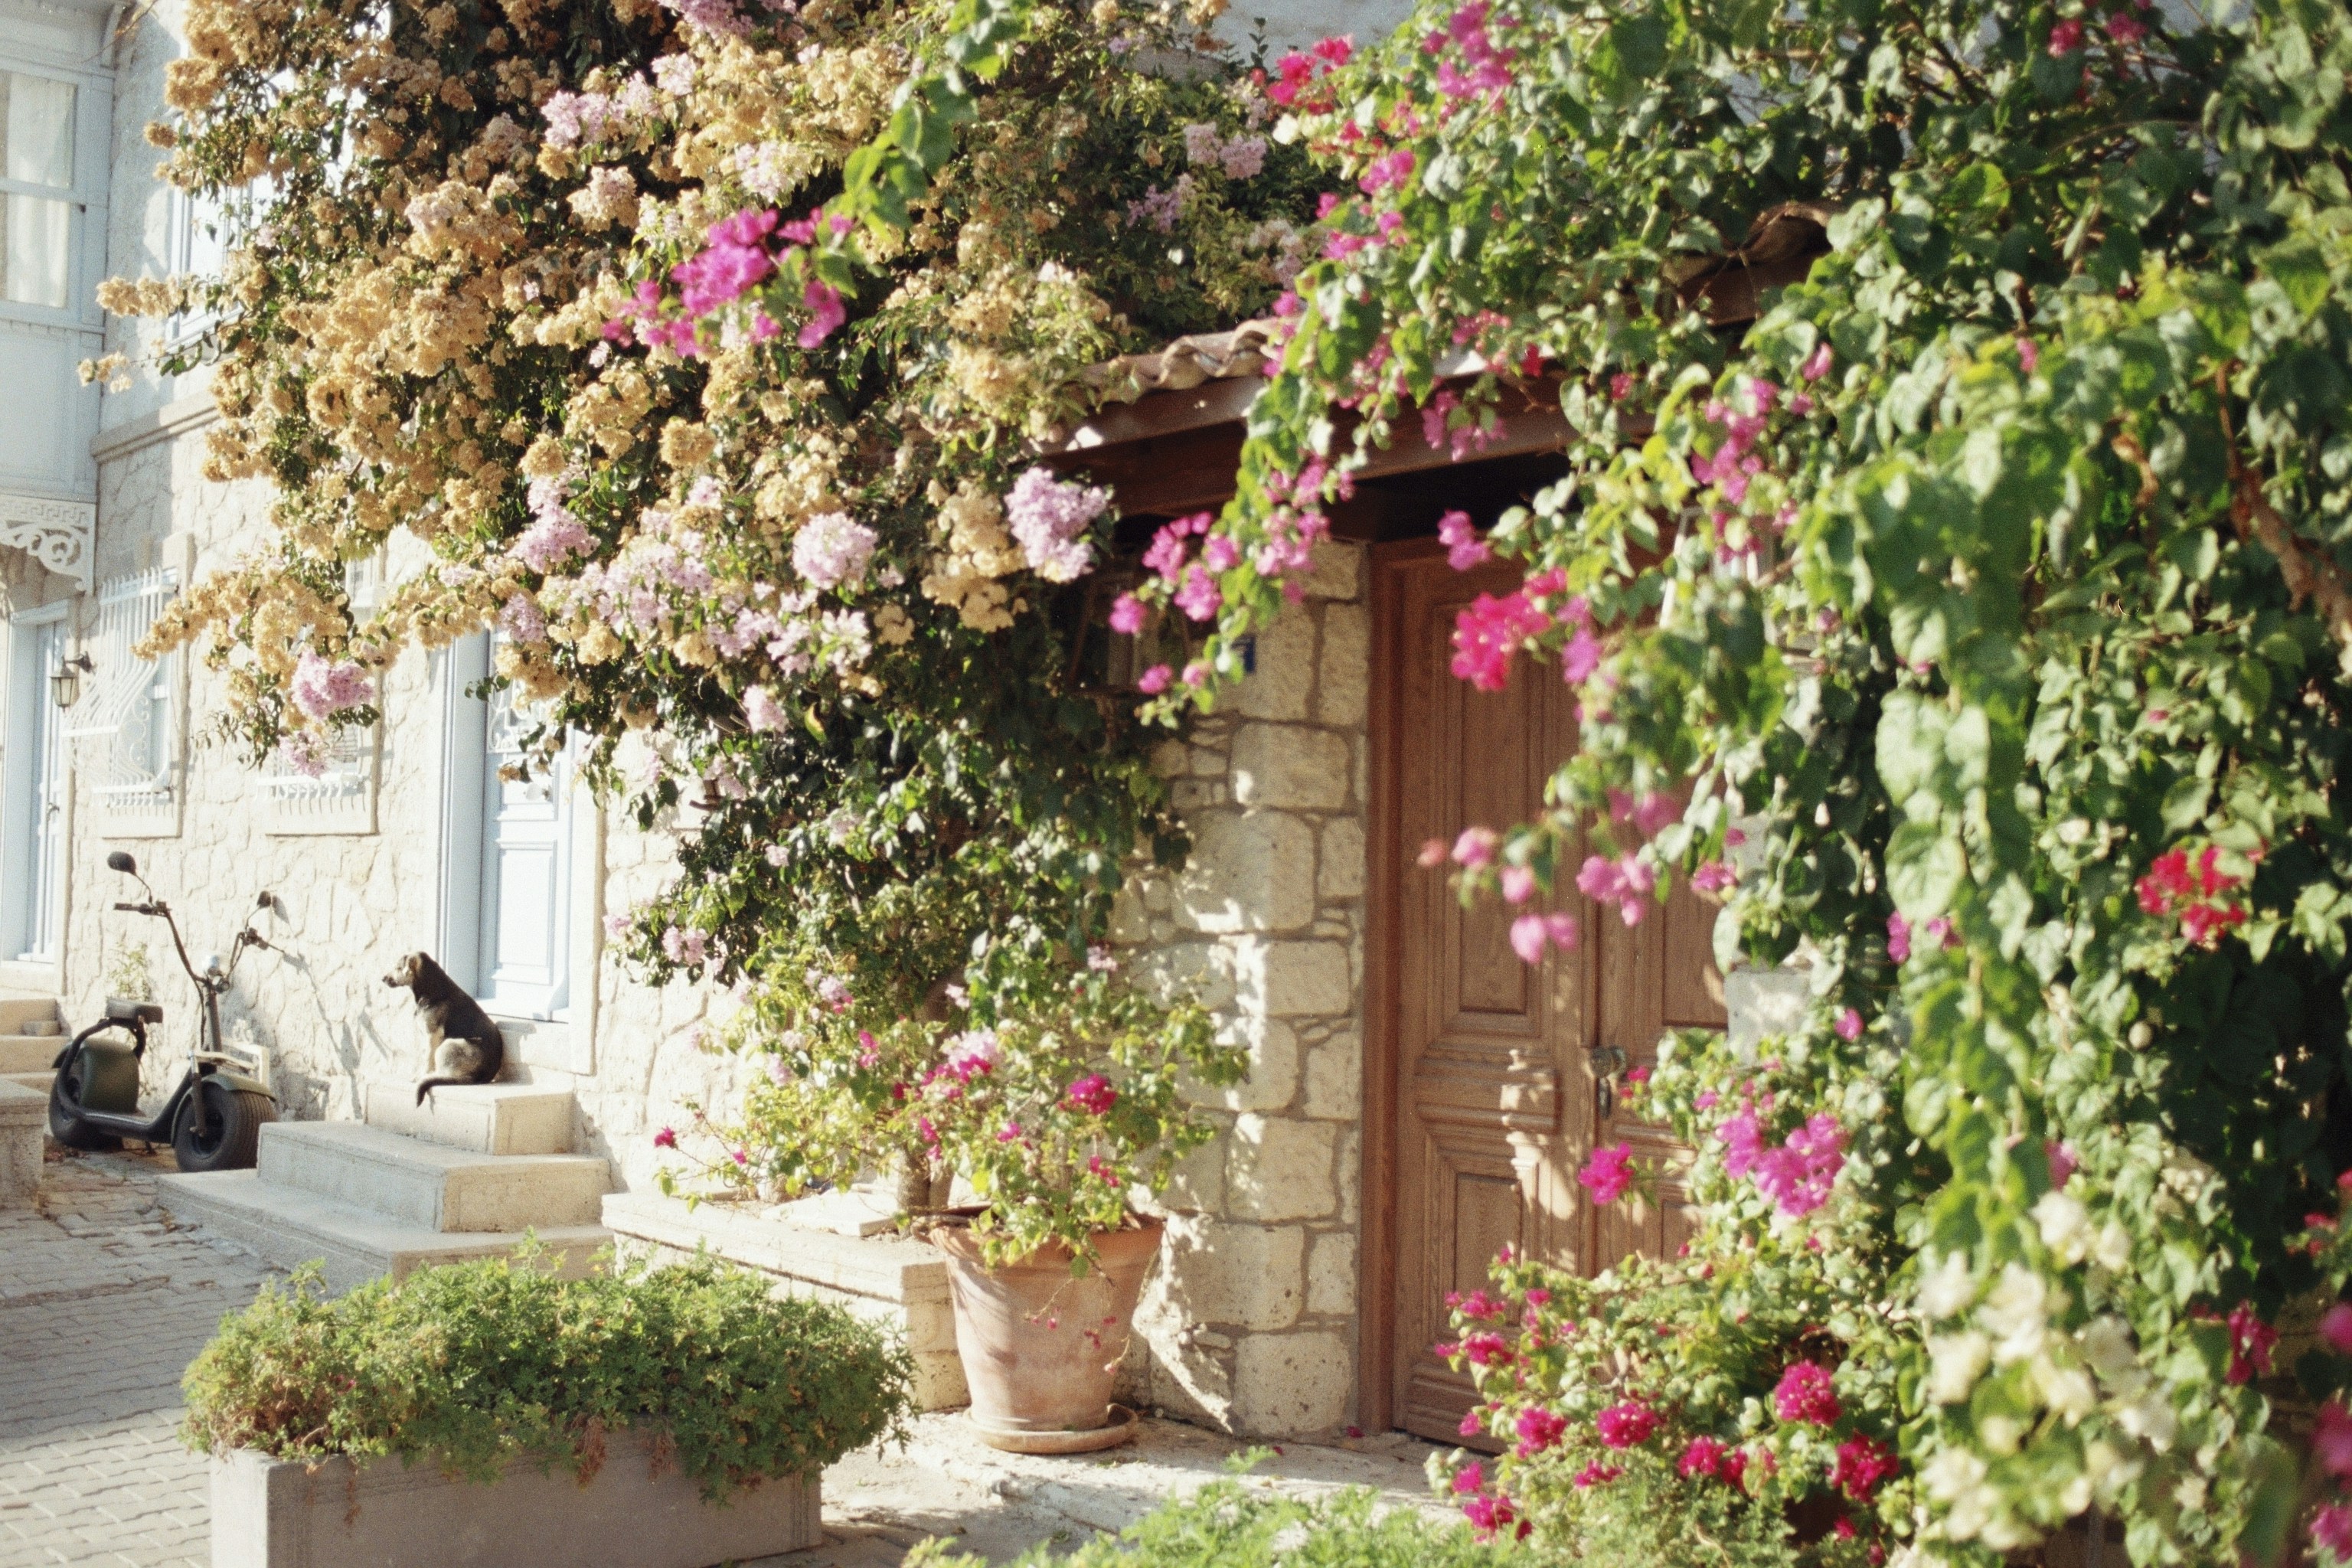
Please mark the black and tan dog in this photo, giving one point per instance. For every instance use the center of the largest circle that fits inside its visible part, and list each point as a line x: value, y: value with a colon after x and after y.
x: 467, y: 1045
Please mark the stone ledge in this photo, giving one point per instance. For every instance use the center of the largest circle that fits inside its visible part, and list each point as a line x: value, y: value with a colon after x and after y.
x: 175, y: 418
x: 887, y: 1278
x: 24, y: 1118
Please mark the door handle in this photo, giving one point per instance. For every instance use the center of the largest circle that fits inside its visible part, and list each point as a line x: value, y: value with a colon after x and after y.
x: 1608, y: 1061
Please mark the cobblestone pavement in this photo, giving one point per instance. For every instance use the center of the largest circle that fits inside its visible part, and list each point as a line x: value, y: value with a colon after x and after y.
x: 103, y: 1304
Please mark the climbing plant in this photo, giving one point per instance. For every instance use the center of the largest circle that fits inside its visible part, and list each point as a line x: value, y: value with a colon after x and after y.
x: 556, y: 306
x: 1988, y: 593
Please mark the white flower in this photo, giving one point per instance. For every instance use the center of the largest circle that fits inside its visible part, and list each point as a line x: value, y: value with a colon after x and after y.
x: 2151, y: 1419
x: 1945, y: 1288
x: 2106, y: 1344
x: 2065, y: 1226
x: 2111, y: 1249
x: 1952, y: 1473
x: 2018, y: 1313
x: 2067, y: 1390
x: 1957, y: 1361
x: 2190, y: 1492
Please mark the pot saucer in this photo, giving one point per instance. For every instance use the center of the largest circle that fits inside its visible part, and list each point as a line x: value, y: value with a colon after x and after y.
x: 1122, y: 1425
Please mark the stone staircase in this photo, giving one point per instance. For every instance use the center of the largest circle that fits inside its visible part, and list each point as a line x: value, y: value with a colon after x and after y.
x: 463, y: 1177
x: 32, y: 1033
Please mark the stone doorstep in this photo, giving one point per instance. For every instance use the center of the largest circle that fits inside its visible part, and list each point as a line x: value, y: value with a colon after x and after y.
x: 890, y: 1279
x: 38, y: 1082
x: 30, y: 1053
x: 486, y: 1119
x: 431, y: 1186
x: 290, y: 1227
x: 16, y: 1012
x: 633, y: 1513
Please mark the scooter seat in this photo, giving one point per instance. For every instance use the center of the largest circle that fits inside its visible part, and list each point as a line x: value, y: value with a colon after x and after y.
x: 122, y: 1010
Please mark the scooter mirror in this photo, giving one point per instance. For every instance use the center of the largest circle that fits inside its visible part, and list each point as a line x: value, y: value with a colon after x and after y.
x: 215, y: 964
x: 120, y: 861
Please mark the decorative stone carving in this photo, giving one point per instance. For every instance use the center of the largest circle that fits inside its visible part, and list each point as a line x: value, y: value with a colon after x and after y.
x: 59, y: 534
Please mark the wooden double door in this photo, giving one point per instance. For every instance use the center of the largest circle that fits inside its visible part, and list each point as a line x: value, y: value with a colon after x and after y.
x: 1492, y: 1077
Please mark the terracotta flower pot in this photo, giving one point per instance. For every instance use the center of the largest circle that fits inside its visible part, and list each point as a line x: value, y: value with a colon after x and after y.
x: 1041, y: 1350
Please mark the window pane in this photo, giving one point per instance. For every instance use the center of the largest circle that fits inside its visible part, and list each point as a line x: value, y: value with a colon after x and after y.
x: 40, y: 145
x: 39, y: 257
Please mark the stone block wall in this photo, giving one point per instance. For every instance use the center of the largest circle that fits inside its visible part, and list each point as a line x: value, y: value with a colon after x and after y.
x: 1250, y: 1321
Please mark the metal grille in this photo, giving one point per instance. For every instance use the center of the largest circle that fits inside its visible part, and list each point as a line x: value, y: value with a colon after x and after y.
x: 131, y: 708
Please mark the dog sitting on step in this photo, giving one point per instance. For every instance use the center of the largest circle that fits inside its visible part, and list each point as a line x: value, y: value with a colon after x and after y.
x: 467, y: 1046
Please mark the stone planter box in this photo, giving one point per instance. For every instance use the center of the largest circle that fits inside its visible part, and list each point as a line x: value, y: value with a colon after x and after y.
x: 890, y: 1277
x: 379, y: 1513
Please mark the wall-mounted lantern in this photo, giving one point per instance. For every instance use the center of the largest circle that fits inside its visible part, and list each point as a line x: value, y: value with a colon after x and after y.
x: 65, y: 681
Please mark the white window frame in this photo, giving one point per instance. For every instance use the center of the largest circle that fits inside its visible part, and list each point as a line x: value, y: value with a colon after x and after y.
x: 27, y: 704
x: 93, y: 149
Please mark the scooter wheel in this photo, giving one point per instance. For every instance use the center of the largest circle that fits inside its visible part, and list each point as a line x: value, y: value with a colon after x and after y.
x: 68, y: 1128
x: 232, y: 1140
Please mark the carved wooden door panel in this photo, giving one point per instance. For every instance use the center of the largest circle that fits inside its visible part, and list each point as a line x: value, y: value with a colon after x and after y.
x: 1496, y: 1096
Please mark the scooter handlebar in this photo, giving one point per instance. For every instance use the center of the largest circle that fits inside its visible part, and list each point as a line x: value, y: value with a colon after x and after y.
x: 137, y: 909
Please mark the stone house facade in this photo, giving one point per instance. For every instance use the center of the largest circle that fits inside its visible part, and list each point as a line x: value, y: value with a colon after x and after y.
x: 1292, y: 1239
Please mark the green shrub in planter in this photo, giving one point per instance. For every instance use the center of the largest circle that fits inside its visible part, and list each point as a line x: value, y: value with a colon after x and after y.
x: 1230, y: 1524
x: 473, y: 1366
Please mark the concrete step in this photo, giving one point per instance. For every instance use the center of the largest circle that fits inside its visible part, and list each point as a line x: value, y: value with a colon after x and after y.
x: 489, y: 1119
x: 430, y: 1187
x: 38, y: 1082
x: 290, y: 1227
x: 16, y: 1012
x: 30, y: 1053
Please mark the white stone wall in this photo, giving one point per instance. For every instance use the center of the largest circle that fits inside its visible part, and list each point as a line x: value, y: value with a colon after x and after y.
x: 1249, y: 1323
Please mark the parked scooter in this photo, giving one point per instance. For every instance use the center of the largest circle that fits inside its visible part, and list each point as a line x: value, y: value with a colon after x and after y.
x: 213, y: 1118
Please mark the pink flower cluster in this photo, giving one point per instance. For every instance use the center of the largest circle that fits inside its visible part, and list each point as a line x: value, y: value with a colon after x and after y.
x: 1626, y: 881
x: 1863, y: 1464
x: 973, y: 1054
x: 1625, y: 1425
x: 1714, y: 1459
x: 831, y: 549
x: 1464, y: 548
x: 740, y: 254
x: 1466, y: 39
x: 1532, y: 934
x: 1240, y: 157
x: 1295, y: 73
x: 322, y: 688
x: 1092, y: 1094
x: 1608, y: 1173
x: 2250, y: 1342
x: 1489, y: 631
x: 574, y: 118
x: 1161, y: 208
x: 1539, y: 1431
x: 556, y: 534
x: 1050, y: 517
x: 1800, y: 1175
x: 1805, y: 1395
x: 2198, y: 894
x: 684, y: 946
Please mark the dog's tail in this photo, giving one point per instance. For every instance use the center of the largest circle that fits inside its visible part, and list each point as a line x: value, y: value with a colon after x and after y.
x: 430, y: 1084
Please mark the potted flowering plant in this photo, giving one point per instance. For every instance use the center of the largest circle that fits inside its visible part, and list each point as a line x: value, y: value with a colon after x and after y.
x: 1056, y: 1100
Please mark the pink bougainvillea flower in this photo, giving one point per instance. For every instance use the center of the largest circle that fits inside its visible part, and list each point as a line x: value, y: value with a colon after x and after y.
x: 1625, y: 1425
x: 1485, y: 1349
x: 1538, y: 1430
x: 826, y: 311
x: 1518, y: 884
x: 1702, y: 1456
x: 1804, y: 1395
x: 2251, y: 1339
x: 1092, y: 1094
x: 1714, y: 877
x: 2331, y: 1443
x: 2065, y: 39
x: 1817, y: 363
x: 1472, y: 1477
x: 2335, y: 1327
x: 1608, y: 1173
x: 2126, y: 29
x: 1596, y: 1474
x: 1464, y: 548
x: 665, y: 1139
x: 2331, y: 1527
x: 1475, y: 847
x: 1849, y: 1024
x: 1488, y: 632
x: 1127, y: 614
x: 1799, y: 1175
x: 1898, y: 939
x: 1153, y: 681
x: 1863, y: 1463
